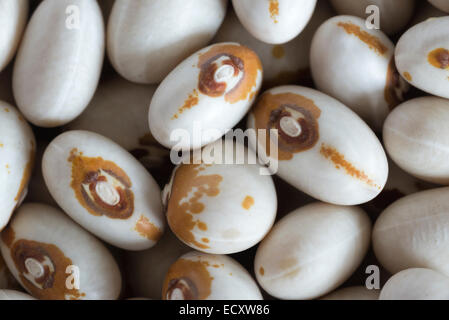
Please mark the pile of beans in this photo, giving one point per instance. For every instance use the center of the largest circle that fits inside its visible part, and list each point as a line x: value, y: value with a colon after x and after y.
x: 345, y: 106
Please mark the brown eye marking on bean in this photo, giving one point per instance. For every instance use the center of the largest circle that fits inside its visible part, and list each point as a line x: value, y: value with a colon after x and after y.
x: 278, y: 52
x: 187, y: 280
x: 340, y: 162
x: 147, y: 229
x: 101, y: 186
x: 274, y: 10
x: 439, y: 58
x: 184, y: 202
x: 26, y: 175
x: 245, y: 63
x: 248, y: 202
x: 207, y: 83
x: 407, y: 76
x: 192, y: 100
x: 262, y: 271
x: 395, y: 86
x: 287, y: 111
x: 373, y: 42
x: 42, y: 270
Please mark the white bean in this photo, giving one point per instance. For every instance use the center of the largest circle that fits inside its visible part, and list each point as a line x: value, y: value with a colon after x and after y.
x: 59, y: 61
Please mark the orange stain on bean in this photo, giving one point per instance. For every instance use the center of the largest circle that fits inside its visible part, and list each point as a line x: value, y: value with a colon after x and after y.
x: 248, y: 202
x: 340, y: 162
x: 184, y: 203
x: 373, y: 42
x: 190, y: 102
x: 274, y: 10
x: 439, y: 58
x: 408, y: 76
x: 147, y: 229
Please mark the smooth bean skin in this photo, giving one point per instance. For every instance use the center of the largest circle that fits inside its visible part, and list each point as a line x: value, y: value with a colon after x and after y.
x: 412, y: 232
x: 13, y: 17
x: 415, y: 136
x: 17, y: 153
x: 421, y: 56
x: 59, y: 61
x: 148, y: 38
x: 312, y: 251
x: 416, y: 284
x: 355, y: 65
x: 274, y: 21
